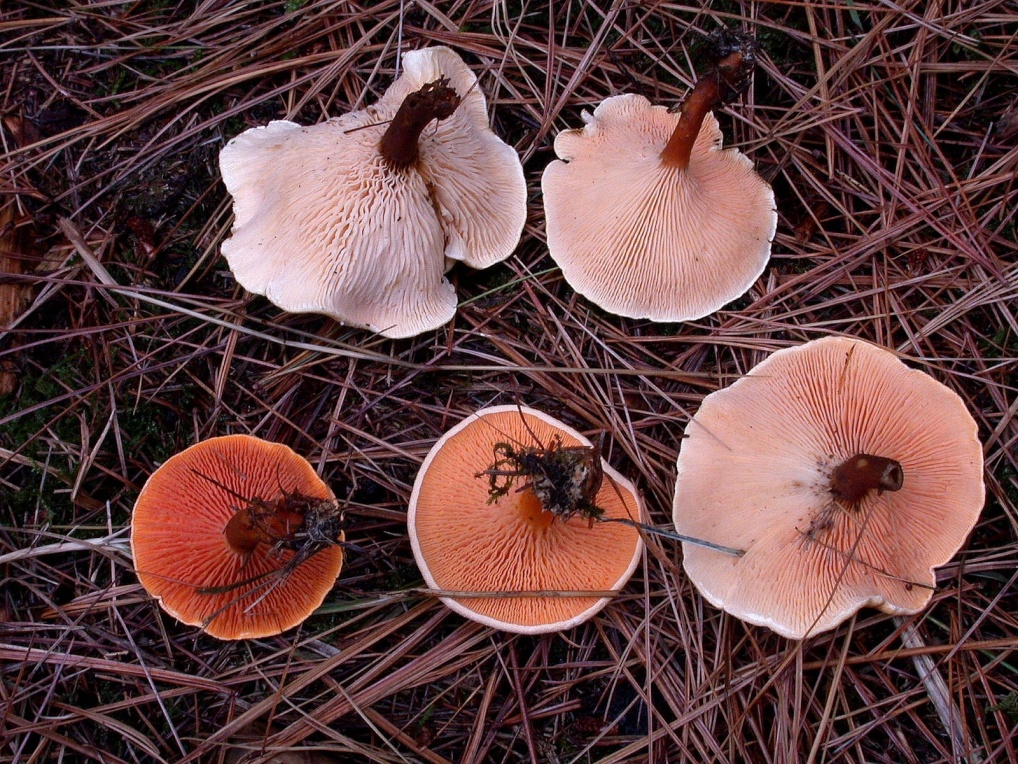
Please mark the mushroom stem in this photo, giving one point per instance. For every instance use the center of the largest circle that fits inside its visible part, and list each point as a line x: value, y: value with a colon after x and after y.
x: 727, y: 80
x: 241, y: 533
x: 705, y: 96
x: 858, y: 475
x: 400, y: 143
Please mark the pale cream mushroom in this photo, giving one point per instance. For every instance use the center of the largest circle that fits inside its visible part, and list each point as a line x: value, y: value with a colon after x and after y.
x: 360, y: 220
x: 649, y: 217
x: 845, y: 475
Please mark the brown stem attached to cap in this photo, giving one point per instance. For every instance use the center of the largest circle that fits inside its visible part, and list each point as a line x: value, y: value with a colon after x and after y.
x: 708, y: 93
x: 241, y: 533
x: 276, y: 521
x: 704, y: 97
x: 400, y: 143
x: 862, y: 473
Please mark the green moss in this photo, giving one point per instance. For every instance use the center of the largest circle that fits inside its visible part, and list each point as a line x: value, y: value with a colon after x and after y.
x: 38, y: 391
x: 146, y: 431
x: 403, y: 576
x: 1008, y: 704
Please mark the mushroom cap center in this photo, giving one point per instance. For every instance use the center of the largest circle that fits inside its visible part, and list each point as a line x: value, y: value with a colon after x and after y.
x: 862, y: 473
x: 533, y: 512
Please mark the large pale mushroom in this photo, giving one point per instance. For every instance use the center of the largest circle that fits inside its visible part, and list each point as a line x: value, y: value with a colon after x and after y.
x: 521, y: 551
x: 845, y: 475
x: 648, y: 216
x: 216, y: 529
x: 359, y: 217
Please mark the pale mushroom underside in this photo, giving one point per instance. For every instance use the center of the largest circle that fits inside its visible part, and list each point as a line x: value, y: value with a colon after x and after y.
x: 754, y: 473
x: 644, y: 240
x: 323, y: 224
x: 476, y: 179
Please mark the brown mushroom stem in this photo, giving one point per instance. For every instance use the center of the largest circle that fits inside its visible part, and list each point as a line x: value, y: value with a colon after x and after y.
x: 862, y: 473
x: 400, y: 143
x: 706, y: 95
x: 240, y: 532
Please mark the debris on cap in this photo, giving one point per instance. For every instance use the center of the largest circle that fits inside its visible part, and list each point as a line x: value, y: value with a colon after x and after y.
x: 202, y: 536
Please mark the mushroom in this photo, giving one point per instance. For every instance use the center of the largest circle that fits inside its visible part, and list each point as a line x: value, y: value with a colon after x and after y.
x: 468, y: 539
x: 237, y: 535
x: 359, y: 217
x: 646, y: 214
x: 845, y: 475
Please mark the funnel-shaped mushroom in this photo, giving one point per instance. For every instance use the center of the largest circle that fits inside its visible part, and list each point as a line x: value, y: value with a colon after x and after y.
x: 846, y: 476
x: 359, y: 218
x: 465, y: 542
x: 646, y: 214
x: 215, y: 531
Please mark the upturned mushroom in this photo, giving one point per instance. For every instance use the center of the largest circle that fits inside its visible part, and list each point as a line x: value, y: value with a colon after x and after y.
x: 482, y: 519
x: 646, y: 214
x: 845, y: 475
x: 359, y: 217
x: 237, y: 535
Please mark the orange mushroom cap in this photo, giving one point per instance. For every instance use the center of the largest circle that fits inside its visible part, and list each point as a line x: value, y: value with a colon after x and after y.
x: 463, y: 543
x: 323, y: 223
x: 756, y: 471
x: 644, y: 239
x: 179, y: 547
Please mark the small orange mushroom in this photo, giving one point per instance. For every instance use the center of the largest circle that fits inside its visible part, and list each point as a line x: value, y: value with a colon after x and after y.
x: 237, y: 535
x: 845, y: 475
x: 468, y: 539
